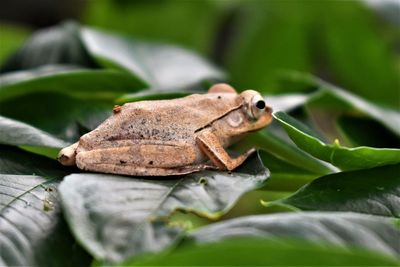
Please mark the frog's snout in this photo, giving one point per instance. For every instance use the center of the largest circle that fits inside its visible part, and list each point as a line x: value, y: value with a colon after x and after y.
x: 268, y: 110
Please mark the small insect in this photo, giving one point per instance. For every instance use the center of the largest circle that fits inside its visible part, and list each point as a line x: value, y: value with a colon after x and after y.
x: 49, y: 199
x: 171, y: 137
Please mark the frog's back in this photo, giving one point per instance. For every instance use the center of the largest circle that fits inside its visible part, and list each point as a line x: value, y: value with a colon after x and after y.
x: 164, y: 120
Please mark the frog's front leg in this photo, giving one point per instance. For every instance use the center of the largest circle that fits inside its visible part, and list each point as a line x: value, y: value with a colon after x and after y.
x: 212, y: 147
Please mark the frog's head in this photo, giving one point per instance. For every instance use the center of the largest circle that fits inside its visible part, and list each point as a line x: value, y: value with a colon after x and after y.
x: 257, y: 112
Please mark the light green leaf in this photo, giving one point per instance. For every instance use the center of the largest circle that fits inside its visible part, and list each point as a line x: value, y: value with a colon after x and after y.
x: 18, y: 133
x: 277, y: 146
x: 11, y: 37
x: 370, y: 70
x: 259, y: 252
x: 32, y: 231
x: 150, y: 95
x: 348, y: 230
x: 286, y: 102
x: 117, y: 217
x: 333, y: 99
x: 159, y: 65
x: 273, y: 36
x: 373, y: 191
x: 342, y: 157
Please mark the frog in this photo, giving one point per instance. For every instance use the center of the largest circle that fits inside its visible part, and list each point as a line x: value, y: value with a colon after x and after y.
x: 172, y: 137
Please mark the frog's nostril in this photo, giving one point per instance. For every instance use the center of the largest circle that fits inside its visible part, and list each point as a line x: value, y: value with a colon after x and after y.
x: 268, y: 109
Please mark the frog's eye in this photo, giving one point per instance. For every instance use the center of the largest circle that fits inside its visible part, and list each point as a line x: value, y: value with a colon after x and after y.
x: 257, y: 106
x: 260, y: 104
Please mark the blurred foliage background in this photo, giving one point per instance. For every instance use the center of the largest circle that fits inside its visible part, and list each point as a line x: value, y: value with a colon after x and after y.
x: 353, y: 44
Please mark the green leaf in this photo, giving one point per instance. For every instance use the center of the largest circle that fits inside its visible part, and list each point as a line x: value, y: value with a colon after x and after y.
x: 347, y: 230
x: 32, y: 231
x: 342, y: 157
x: 11, y: 38
x: 285, y: 176
x: 16, y: 161
x: 286, y: 102
x: 336, y: 99
x: 18, y: 133
x: 330, y: 98
x: 150, y: 95
x: 268, y: 36
x: 280, y: 148
x: 161, y: 66
x: 369, y: 70
x: 61, y: 115
x: 55, y: 45
x: 194, y: 24
x: 259, y: 252
x: 83, y: 83
x: 117, y: 217
x: 373, y: 191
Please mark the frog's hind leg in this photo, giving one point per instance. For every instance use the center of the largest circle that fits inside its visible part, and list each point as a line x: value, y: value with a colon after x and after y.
x: 134, y: 170
x: 67, y: 155
x: 144, y: 159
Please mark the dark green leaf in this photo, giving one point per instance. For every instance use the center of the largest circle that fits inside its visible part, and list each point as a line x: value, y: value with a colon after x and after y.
x: 32, y: 231
x: 342, y: 157
x: 335, y: 99
x: 16, y: 161
x: 285, y: 176
x: 83, y: 83
x: 18, y: 133
x: 373, y: 191
x: 342, y: 229
x: 367, y: 132
x: 159, y: 65
x: 115, y: 217
x: 56, y: 45
x: 259, y: 252
x: 61, y: 115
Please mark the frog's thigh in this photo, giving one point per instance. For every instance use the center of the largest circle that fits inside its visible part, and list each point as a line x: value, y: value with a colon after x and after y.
x: 145, y: 155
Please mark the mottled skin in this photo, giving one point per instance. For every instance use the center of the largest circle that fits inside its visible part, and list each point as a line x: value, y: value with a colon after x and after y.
x: 171, y: 137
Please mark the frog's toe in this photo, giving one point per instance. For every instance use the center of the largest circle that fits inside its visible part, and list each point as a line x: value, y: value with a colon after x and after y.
x: 67, y: 156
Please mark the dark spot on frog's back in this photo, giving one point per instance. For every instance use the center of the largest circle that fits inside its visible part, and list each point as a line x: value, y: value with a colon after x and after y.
x: 154, y: 132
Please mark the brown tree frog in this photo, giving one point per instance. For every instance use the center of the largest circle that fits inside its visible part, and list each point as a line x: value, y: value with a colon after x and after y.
x: 171, y: 137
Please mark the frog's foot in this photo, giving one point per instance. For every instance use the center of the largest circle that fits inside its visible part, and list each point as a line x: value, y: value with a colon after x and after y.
x: 134, y: 170
x: 67, y: 155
